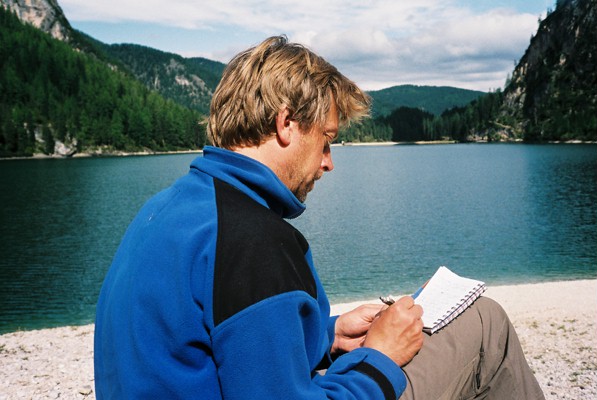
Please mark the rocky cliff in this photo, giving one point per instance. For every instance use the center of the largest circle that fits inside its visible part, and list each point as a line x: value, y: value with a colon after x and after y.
x: 188, y: 81
x: 43, y: 14
x: 552, y: 94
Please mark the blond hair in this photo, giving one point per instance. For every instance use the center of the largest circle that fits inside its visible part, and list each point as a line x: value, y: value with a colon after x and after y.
x: 260, y: 81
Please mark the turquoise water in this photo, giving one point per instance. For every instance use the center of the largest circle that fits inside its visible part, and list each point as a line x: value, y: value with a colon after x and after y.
x: 380, y: 223
x: 387, y: 217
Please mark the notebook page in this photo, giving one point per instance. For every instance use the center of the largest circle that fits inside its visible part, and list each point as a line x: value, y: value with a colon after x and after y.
x: 444, y: 293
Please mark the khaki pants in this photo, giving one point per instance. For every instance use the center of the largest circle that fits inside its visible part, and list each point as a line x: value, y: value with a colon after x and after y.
x: 477, y: 356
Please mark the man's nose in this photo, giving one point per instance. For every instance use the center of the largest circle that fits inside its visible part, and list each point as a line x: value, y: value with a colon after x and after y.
x: 326, y: 163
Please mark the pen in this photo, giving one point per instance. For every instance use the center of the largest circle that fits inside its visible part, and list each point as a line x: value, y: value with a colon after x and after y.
x: 389, y: 300
x: 418, y: 292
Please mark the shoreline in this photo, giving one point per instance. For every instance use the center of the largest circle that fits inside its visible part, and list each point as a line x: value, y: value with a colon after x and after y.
x: 390, y: 143
x: 430, y: 142
x: 41, y: 156
x: 556, y: 323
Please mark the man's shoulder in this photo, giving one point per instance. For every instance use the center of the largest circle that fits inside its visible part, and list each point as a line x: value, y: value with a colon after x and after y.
x: 244, y: 214
x: 258, y: 254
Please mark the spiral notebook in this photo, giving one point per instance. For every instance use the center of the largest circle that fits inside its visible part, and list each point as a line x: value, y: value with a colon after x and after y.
x: 445, y: 296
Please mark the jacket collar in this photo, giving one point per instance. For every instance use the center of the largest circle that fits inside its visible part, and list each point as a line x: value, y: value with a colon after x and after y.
x: 251, y: 177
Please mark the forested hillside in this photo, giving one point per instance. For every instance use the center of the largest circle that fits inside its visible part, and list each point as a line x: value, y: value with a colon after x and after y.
x: 473, y: 122
x: 49, y: 93
x: 407, y: 124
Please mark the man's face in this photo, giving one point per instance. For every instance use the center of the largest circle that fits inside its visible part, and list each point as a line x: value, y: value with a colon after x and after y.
x: 314, y: 156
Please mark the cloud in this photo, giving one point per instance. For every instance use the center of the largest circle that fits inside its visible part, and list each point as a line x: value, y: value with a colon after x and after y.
x: 372, y: 41
x: 466, y: 50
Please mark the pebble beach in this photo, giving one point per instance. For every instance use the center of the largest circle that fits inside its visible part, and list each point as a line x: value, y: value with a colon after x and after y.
x: 556, y: 323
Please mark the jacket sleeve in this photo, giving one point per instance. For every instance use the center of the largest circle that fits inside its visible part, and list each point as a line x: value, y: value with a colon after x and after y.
x: 327, y: 359
x: 263, y: 357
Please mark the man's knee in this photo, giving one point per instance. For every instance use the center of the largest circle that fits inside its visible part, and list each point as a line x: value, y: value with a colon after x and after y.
x: 490, y: 309
x: 498, y: 335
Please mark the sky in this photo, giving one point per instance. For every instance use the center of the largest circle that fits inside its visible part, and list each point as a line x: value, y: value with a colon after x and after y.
x: 470, y: 44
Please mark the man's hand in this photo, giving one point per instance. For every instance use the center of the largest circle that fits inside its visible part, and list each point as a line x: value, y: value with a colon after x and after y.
x: 352, y: 327
x: 398, y: 331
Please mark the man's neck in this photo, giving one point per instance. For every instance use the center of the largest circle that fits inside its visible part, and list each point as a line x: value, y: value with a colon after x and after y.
x: 267, y: 153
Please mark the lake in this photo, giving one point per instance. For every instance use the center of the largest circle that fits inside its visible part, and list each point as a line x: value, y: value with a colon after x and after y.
x: 380, y: 223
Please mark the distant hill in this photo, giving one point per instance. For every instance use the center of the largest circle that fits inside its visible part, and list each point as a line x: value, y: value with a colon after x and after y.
x: 433, y: 99
x: 187, y: 81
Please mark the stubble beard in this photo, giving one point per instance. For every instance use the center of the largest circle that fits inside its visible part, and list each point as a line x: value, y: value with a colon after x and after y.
x: 303, y: 190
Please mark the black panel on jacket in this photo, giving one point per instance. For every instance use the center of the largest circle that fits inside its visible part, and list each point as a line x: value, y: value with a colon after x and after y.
x: 384, y: 383
x: 258, y: 254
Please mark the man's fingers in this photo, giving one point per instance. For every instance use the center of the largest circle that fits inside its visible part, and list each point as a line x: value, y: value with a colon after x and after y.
x: 406, y: 302
x: 418, y: 310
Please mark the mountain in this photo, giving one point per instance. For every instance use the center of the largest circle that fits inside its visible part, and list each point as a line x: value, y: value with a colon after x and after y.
x: 191, y: 81
x: 188, y: 81
x: 433, y: 99
x: 552, y: 94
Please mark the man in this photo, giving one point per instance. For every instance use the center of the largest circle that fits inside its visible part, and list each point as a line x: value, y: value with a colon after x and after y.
x: 212, y: 295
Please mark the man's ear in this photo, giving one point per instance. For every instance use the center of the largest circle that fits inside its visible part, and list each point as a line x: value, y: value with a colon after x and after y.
x: 284, y: 126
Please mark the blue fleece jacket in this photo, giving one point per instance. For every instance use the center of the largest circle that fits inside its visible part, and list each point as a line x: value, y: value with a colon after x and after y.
x: 213, y: 295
